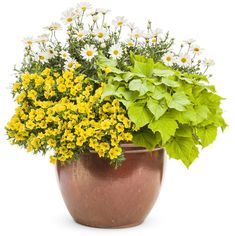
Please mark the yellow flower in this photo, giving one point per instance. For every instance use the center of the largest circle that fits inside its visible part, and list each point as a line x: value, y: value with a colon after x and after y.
x: 120, y: 127
x: 53, y: 159
x: 32, y: 94
x: 61, y: 88
x: 47, y: 71
x: 21, y: 97
x: 30, y: 124
x: 105, y: 124
x: 51, y: 142
x: 16, y: 86
x: 114, y: 152
x: 107, y: 70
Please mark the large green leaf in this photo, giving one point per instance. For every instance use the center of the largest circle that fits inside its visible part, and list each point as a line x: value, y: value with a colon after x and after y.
x: 159, y: 92
x: 139, y: 114
x: 165, y: 126
x: 163, y: 73
x: 207, y: 134
x: 146, y: 138
x: 178, y: 101
x: 182, y: 148
x: 169, y: 82
x: 138, y: 85
x: 144, y: 68
x: 158, y: 108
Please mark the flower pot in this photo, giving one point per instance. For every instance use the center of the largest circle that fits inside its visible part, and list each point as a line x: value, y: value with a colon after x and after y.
x: 98, y: 195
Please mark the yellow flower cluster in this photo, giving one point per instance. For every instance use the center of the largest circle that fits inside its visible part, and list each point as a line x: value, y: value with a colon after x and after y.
x: 64, y: 112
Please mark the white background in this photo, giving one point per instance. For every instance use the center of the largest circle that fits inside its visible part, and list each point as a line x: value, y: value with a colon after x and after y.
x: 198, y: 201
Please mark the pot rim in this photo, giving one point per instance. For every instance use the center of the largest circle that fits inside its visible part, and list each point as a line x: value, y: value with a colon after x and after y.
x: 137, y: 149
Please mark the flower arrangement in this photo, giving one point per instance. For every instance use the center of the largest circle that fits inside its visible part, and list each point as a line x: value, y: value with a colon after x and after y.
x: 100, y: 89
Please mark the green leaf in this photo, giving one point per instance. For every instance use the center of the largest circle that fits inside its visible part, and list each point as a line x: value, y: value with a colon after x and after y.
x: 144, y: 68
x: 165, y: 126
x: 158, y: 108
x: 184, y: 131
x: 169, y: 82
x: 138, y: 85
x: 146, y: 138
x: 207, y: 134
x: 159, y: 92
x: 139, y: 114
x: 110, y: 90
x: 182, y: 148
x: 178, y: 101
x: 163, y: 73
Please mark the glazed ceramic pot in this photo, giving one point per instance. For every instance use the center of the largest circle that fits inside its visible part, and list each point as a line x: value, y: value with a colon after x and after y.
x: 98, y: 195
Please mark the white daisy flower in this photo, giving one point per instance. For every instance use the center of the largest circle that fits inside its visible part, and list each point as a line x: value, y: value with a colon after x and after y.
x: 43, y: 38
x: 196, y: 49
x: 131, y: 25
x: 208, y: 62
x: 153, y: 40
x: 70, y: 64
x: 51, y: 53
x: 100, y: 35
x: 115, y: 51
x: 156, y: 32
x: 89, y: 52
x: 68, y: 16
x: 119, y: 21
x: 168, y: 59
x: 83, y: 6
x: 81, y: 34
x: 184, y: 60
x: 130, y: 43
x: 53, y: 27
x: 102, y: 11
x: 189, y: 41
x: 137, y: 34
x: 28, y: 41
x: 65, y: 55
x: 42, y: 57
x: 95, y: 17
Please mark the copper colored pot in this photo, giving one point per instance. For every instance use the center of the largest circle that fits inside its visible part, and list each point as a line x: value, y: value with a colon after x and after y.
x: 98, y: 195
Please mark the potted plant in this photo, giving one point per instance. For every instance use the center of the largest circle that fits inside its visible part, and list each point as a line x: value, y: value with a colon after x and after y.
x: 109, y: 106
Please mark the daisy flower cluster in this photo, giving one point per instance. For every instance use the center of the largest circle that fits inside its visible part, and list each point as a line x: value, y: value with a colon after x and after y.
x: 188, y: 58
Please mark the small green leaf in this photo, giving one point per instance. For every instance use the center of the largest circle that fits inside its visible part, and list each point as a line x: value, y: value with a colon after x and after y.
x: 110, y: 90
x: 165, y: 126
x: 158, y: 108
x: 139, y: 114
x: 169, y: 82
x: 207, y: 134
x: 138, y: 85
x: 146, y: 138
x: 178, y: 101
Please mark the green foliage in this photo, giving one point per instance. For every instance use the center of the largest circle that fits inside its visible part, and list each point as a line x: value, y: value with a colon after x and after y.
x: 176, y: 110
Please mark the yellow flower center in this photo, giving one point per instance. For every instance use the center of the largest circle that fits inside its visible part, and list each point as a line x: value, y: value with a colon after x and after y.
x: 120, y: 23
x: 130, y: 44
x: 168, y: 58
x: 84, y: 8
x: 30, y: 42
x: 100, y: 35
x: 154, y: 40
x: 69, y: 19
x: 196, y: 49
x: 183, y: 60
x: 89, y: 53
x: 115, y: 52
x: 136, y: 35
x: 41, y: 57
x: 80, y: 35
x: 70, y: 65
